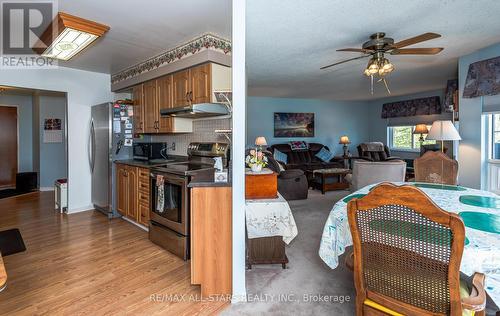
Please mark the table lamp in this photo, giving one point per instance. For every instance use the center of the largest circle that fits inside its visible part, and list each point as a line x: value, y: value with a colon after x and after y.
x: 421, y: 129
x: 260, y: 141
x: 344, y: 140
x: 443, y: 130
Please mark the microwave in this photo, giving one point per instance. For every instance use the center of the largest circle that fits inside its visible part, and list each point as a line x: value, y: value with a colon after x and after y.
x: 149, y: 151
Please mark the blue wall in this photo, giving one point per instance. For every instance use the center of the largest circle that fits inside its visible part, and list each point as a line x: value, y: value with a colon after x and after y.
x: 24, y: 113
x: 52, y: 155
x: 471, y: 156
x: 332, y: 120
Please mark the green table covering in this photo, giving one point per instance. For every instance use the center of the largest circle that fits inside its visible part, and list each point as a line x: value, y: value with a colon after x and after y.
x: 480, y: 201
x: 481, y: 221
x: 439, y: 186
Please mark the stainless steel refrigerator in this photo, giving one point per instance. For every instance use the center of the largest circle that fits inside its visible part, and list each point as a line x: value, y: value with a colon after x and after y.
x: 110, y: 139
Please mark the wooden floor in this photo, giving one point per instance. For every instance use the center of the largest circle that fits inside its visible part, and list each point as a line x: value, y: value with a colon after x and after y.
x: 86, y: 264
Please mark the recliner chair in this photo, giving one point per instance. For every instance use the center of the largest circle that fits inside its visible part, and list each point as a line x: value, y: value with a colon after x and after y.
x: 375, y: 151
x: 292, y: 183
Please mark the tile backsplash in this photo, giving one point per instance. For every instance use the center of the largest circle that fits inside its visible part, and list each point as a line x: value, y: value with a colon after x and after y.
x: 203, y: 131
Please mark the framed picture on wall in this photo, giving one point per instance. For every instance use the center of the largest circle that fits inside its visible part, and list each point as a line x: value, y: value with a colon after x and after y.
x: 293, y: 124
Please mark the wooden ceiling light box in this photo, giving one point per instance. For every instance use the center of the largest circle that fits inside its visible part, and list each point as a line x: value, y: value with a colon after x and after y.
x: 68, y: 35
x: 261, y: 186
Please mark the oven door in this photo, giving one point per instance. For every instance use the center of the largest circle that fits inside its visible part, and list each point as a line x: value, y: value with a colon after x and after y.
x: 170, y: 202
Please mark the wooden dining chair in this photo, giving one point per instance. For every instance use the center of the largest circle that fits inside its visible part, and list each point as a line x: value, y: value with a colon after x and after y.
x: 436, y: 167
x: 407, y: 254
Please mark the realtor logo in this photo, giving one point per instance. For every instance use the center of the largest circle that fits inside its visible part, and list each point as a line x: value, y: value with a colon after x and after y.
x: 23, y: 23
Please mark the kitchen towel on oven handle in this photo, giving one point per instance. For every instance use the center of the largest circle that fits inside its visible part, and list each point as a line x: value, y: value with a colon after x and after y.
x: 160, y: 200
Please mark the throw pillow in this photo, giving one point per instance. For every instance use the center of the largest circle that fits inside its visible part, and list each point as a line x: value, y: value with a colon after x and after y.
x: 279, y: 156
x: 280, y: 166
x: 324, y: 155
x: 299, y: 145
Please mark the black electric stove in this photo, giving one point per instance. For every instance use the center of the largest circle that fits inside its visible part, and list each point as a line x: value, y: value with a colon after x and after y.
x: 170, y: 197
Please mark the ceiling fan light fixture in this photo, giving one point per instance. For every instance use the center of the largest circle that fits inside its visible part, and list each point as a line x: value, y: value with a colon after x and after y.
x: 372, y: 68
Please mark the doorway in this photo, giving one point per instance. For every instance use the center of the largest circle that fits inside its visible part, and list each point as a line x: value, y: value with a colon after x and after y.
x: 33, y: 142
x: 8, y: 148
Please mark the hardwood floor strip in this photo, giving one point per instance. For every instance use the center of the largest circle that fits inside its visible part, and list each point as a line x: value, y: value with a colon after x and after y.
x: 84, y: 263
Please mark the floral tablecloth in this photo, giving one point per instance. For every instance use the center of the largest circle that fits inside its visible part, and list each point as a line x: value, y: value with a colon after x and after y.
x: 268, y: 218
x: 482, y: 254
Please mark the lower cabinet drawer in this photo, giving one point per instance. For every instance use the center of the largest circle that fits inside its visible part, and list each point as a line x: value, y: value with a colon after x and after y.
x: 143, y: 198
x: 143, y: 185
x: 143, y: 173
x: 144, y: 214
x: 169, y: 240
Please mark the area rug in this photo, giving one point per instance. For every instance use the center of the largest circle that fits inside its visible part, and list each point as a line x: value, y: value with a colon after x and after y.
x: 11, y: 192
x: 308, y: 286
x: 11, y: 242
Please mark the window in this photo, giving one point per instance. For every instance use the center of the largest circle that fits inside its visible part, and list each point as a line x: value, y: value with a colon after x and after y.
x: 495, y: 136
x: 402, y: 138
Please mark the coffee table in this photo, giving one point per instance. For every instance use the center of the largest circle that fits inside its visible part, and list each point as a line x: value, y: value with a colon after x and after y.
x: 324, y: 179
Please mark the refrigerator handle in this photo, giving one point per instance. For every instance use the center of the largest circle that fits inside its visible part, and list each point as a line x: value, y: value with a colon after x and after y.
x: 91, y: 146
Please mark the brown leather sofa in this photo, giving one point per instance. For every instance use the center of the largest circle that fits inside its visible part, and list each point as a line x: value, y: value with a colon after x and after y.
x: 306, y: 159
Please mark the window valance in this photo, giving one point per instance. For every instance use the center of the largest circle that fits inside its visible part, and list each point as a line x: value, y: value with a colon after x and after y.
x: 483, y: 78
x: 421, y: 106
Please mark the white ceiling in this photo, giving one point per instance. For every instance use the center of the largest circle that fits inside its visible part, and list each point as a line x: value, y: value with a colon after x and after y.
x: 288, y: 41
x: 143, y: 29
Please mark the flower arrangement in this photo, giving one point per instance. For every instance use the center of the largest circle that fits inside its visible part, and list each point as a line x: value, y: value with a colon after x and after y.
x: 256, y: 160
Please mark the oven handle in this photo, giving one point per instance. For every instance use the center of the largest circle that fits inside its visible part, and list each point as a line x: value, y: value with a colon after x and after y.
x: 172, y: 179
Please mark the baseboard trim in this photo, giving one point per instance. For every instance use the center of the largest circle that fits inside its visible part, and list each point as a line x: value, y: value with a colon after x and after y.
x: 46, y: 189
x: 80, y: 209
x: 136, y: 224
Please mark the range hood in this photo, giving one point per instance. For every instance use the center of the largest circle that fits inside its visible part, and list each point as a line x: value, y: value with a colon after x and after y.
x: 197, y: 110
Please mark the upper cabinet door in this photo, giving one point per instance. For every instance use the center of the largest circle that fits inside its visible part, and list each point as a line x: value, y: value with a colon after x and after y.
x: 181, y: 88
x: 201, y: 88
x: 138, y: 109
x: 150, y: 113
x: 164, y: 91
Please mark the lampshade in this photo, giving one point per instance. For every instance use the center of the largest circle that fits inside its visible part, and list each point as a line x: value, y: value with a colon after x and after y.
x: 261, y: 141
x: 421, y: 129
x: 443, y: 130
x: 68, y: 35
x: 344, y: 140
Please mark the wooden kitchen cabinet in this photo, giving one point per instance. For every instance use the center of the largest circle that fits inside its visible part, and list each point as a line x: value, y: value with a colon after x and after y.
x: 200, y: 84
x: 164, y: 92
x: 121, y: 189
x: 190, y: 86
x: 137, y: 92
x: 133, y: 193
x: 181, y: 88
x: 211, y: 239
x: 151, y: 112
x: 153, y: 96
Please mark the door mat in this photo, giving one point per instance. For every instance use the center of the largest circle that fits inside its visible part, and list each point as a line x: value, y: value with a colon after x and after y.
x: 11, y: 242
x: 11, y: 192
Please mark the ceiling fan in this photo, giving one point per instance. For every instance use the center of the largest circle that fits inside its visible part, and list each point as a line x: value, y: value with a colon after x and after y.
x: 379, y: 45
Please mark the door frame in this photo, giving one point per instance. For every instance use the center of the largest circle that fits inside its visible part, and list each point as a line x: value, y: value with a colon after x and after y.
x: 17, y: 133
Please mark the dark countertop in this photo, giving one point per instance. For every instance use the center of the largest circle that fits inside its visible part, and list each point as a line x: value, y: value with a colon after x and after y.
x: 151, y: 163
x: 204, y: 184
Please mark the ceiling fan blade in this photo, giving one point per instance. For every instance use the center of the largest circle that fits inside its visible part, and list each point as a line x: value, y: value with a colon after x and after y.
x: 417, y: 51
x: 344, y: 61
x: 417, y: 39
x: 356, y: 50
